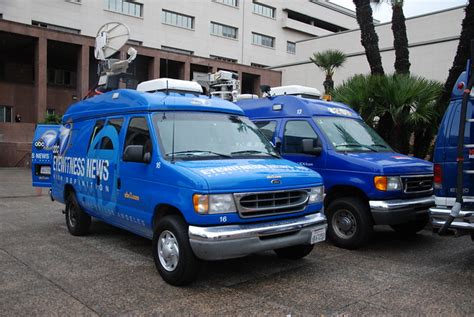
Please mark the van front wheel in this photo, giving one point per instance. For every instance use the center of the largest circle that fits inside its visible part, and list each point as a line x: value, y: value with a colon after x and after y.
x: 349, y: 223
x: 174, y: 258
x: 77, y: 221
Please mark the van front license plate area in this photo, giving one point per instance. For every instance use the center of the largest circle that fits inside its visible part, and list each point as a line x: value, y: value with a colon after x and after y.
x: 318, y: 235
x: 45, y: 170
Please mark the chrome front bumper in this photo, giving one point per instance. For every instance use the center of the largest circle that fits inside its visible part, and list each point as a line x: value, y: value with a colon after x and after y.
x: 233, y: 241
x: 396, y: 211
x: 439, y: 215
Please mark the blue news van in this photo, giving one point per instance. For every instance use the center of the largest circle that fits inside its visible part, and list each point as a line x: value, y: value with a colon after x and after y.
x: 366, y: 182
x: 454, y: 160
x: 188, y: 171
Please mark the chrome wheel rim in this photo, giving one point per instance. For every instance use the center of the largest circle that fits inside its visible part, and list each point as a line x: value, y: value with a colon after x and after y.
x: 344, y: 224
x: 168, y: 250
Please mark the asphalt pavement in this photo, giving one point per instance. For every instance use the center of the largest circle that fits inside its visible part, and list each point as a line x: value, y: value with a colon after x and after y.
x: 46, y: 271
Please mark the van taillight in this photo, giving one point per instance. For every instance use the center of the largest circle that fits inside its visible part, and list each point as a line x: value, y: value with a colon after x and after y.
x: 438, y: 175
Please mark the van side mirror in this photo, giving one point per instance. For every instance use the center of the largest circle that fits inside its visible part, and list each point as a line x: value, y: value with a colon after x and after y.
x: 136, y: 153
x: 277, y: 145
x: 309, y: 148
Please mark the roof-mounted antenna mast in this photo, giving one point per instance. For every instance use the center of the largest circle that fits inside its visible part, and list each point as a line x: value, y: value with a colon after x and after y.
x: 110, y: 38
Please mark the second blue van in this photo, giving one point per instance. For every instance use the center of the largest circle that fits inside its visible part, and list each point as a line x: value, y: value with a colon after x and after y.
x: 367, y: 183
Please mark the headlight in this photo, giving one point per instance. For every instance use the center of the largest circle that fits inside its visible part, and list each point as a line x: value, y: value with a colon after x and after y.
x: 214, y: 204
x: 388, y: 183
x: 316, y: 195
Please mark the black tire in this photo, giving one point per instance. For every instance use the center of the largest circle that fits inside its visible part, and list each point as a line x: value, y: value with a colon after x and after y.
x: 350, y: 224
x: 77, y: 221
x: 411, y: 228
x: 295, y: 252
x: 186, y: 267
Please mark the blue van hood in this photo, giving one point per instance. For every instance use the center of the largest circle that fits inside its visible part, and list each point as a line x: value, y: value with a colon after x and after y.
x: 243, y: 175
x: 390, y: 163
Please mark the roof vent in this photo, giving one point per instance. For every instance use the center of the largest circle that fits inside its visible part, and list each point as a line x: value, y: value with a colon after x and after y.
x: 296, y: 90
x: 164, y: 84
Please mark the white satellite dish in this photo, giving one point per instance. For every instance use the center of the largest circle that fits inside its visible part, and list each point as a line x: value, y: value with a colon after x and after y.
x: 110, y: 39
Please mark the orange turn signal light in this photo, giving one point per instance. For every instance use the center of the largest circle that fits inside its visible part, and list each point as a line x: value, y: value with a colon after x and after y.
x: 201, y: 203
x: 380, y: 182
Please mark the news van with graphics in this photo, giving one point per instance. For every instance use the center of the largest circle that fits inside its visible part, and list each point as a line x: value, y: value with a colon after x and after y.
x: 454, y: 157
x: 366, y: 182
x: 188, y: 171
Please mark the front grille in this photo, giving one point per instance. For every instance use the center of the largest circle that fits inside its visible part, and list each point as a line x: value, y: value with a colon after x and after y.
x: 271, y: 203
x: 417, y: 184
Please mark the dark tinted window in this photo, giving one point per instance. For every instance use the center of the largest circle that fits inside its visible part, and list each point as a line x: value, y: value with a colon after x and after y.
x: 116, y: 123
x: 99, y: 125
x: 105, y: 144
x: 138, y: 133
x: 267, y: 128
x: 295, y: 132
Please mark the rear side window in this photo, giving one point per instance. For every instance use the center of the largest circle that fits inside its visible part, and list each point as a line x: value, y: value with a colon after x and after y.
x: 99, y: 125
x: 138, y: 133
x: 295, y: 132
x: 267, y: 128
x: 105, y: 144
x: 116, y: 123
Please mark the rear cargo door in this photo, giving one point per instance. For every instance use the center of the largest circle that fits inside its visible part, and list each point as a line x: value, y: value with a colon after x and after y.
x: 44, y: 144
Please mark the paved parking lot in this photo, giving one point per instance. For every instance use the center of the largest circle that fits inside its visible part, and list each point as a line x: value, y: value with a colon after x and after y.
x: 46, y: 271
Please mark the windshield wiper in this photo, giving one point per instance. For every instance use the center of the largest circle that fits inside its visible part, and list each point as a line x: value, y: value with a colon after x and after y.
x: 254, y: 152
x: 196, y: 152
x: 381, y: 145
x: 357, y: 145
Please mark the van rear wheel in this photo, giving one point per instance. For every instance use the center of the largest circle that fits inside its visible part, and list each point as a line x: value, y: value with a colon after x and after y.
x: 174, y: 258
x: 77, y: 221
x: 349, y: 224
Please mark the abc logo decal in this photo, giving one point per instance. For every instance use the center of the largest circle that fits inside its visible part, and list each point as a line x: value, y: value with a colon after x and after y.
x: 39, y: 144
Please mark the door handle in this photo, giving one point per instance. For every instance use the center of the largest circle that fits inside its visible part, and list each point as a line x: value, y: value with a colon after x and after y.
x: 97, y: 178
x: 119, y: 183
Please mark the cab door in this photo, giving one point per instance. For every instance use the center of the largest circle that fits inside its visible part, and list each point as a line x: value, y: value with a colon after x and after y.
x: 136, y: 185
x: 292, y: 134
x: 103, y: 168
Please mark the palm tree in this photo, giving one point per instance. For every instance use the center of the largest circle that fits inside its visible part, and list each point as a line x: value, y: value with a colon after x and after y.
x: 462, y: 53
x: 405, y: 104
x: 328, y: 61
x: 400, y: 39
x: 369, y: 38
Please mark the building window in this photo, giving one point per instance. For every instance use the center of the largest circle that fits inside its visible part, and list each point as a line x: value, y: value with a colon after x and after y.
x: 232, y: 3
x: 258, y: 65
x: 74, y: 1
x: 61, y: 77
x: 264, y: 10
x: 225, y: 59
x: 177, y: 19
x: 55, y: 27
x: 50, y: 111
x: 176, y: 50
x: 291, y: 47
x: 126, y: 7
x: 264, y: 40
x: 223, y: 30
x: 6, y: 114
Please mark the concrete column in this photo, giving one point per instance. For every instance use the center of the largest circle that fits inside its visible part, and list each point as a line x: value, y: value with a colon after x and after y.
x: 41, y: 79
x: 154, y: 68
x: 83, y: 72
x: 187, y: 71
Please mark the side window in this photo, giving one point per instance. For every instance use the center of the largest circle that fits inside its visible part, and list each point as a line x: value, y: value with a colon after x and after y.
x: 295, y: 132
x: 99, y: 125
x: 105, y: 144
x: 138, y: 133
x: 267, y: 128
x: 116, y: 123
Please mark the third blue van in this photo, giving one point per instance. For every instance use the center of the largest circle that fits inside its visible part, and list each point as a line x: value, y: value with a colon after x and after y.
x: 367, y: 183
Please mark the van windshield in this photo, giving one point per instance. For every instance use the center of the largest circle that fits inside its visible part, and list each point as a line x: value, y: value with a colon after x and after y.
x: 204, y: 135
x: 351, y: 135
